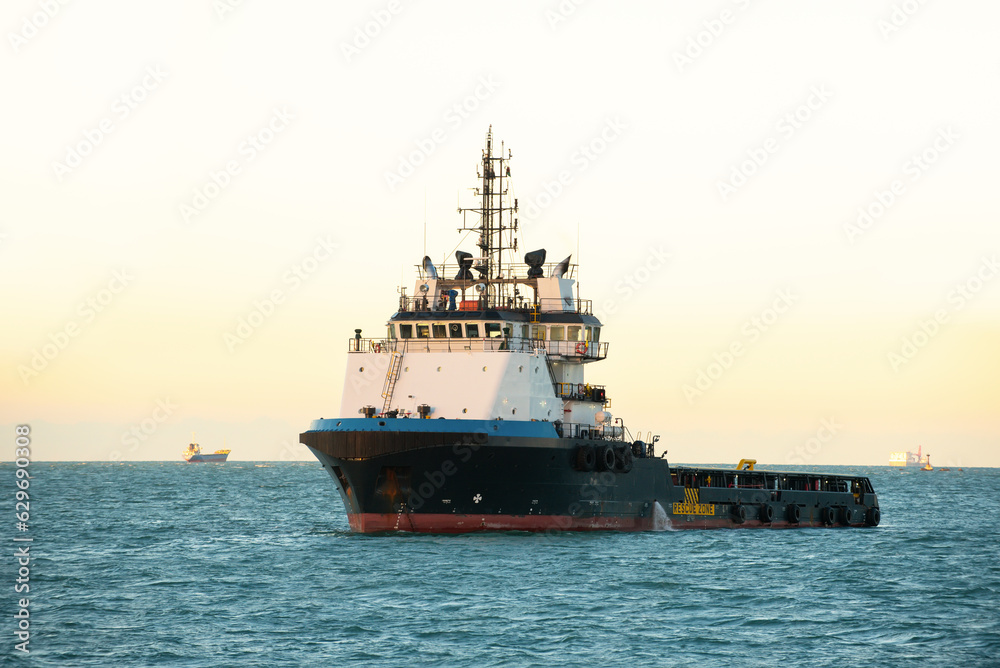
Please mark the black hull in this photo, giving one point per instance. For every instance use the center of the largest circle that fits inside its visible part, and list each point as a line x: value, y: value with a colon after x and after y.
x: 444, y: 482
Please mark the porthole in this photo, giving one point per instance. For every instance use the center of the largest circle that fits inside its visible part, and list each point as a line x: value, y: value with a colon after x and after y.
x: 513, y: 411
x: 536, y: 369
x: 484, y: 368
x: 381, y: 423
x: 465, y: 410
x: 520, y: 369
x: 406, y: 368
x: 362, y: 369
x: 439, y: 368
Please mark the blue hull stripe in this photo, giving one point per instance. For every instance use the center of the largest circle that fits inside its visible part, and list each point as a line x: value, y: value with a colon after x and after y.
x: 492, y: 427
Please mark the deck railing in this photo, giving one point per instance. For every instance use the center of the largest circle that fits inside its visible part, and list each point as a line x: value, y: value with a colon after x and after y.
x: 476, y: 302
x: 591, y: 350
x: 581, y: 391
x: 589, y: 432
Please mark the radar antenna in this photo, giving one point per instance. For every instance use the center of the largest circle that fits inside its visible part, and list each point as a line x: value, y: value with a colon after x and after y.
x: 497, y: 232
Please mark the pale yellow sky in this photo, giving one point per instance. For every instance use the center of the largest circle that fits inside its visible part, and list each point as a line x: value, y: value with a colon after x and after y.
x: 820, y: 182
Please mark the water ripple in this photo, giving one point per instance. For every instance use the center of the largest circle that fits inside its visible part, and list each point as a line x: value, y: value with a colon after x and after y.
x: 151, y: 564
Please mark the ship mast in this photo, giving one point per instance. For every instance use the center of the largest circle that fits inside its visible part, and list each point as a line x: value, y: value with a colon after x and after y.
x: 497, y: 233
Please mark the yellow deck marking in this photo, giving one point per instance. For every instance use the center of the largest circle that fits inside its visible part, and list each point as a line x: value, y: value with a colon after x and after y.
x: 691, y: 506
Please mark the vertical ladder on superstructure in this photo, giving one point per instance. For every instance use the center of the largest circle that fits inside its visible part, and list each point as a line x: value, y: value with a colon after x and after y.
x: 395, y: 361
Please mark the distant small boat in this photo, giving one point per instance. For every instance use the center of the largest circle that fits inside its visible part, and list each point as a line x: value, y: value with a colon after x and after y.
x: 193, y: 455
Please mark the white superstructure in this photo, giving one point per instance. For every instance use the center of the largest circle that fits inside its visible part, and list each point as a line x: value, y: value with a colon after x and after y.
x: 909, y: 458
x: 509, y: 342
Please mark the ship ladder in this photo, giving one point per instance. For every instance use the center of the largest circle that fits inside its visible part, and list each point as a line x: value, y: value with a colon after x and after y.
x: 404, y: 509
x: 391, y: 376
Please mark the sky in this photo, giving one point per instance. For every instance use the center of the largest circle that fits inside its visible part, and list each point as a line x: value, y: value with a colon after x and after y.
x: 785, y: 213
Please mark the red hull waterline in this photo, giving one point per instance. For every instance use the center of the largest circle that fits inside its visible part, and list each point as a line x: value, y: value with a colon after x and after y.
x: 450, y: 523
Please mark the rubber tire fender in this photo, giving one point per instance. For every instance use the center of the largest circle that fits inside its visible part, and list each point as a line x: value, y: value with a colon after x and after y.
x: 829, y: 516
x: 846, y: 515
x: 624, y: 459
x: 739, y: 514
x: 586, y: 458
x: 873, y: 516
x: 606, y: 459
x: 766, y: 514
x: 793, y: 513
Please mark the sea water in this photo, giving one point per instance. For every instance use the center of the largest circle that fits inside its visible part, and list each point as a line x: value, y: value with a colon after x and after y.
x: 244, y: 564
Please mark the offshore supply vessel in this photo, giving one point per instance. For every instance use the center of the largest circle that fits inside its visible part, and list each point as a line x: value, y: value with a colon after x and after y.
x: 908, y: 458
x: 472, y: 412
x: 193, y: 455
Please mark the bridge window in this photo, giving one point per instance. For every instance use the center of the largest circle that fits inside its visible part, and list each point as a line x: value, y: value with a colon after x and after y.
x: 406, y: 331
x: 472, y: 330
x: 391, y: 333
x: 574, y: 333
x: 423, y: 332
x: 557, y: 332
x: 440, y: 331
x: 456, y: 330
x: 538, y: 332
x: 597, y: 334
x: 493, y: 329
